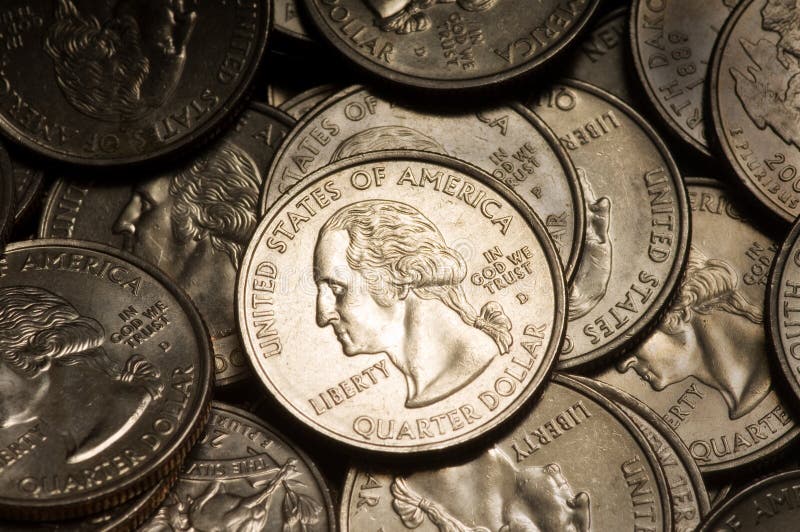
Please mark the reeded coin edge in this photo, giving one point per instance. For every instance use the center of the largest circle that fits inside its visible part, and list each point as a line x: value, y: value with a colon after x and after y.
x: 649, y: 319
x: 432, y: 83
x: 536, y: 383
x: 169, y: 459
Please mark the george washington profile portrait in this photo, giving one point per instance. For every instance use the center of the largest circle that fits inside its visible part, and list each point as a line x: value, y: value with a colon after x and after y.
x: 53, y: 367
x: 195, y: 225
x: 387, y: 283
x: 712, y: 333
x: 122, y: 68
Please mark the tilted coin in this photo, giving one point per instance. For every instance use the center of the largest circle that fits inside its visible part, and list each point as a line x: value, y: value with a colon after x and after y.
x: 450, y: 45
x: 437, y: 296
x: 575, y: 462
x: 705, y: 368
x: 193, y: 221
x: 685, y: 486
x: 507, y: 141
x: 603, y: 58
x: 637, y: 220
x: 299, y: 105
x: 125, y: 517
x: 783, y: 310
x: 7, y: 201
x: 242, y: 475
x: 753, y: 106
x: 28, y: 182
x: 672, y: 44
x: 769, y: 504
x: 287, y: 20
x: 123, y: 81
x: 106, y: 378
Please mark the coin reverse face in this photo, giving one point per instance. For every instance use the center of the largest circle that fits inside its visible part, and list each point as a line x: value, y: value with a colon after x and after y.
x: 450, y: 45
x: 705, y: 368
x: 401, y: 301
x: 193, y: 221
x: 575, y: 462
x: 97, y: 82
x: 106, y: 376
x: 637, y: 220
x: 507, y: 141
x: 753, y: 80
x: 241, y: 475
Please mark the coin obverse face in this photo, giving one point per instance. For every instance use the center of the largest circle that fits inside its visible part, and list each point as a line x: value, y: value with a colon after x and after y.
x: 243, y: 476
x: 575, y: 462
x: 450, y: 45
x: 193, y: 221
x: 81, y: 322
x: 508, y: 141
x: 753, y: 104
x: 101, y: 82
x: 672, y: 44
x: 637, y: 220
x: 401, y: 302
x: 769, y: 504
x: 705, y: 368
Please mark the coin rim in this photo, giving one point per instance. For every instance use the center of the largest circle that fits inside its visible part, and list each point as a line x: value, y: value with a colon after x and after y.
x: 298, y: 99
x: 534, y: 386
x: 547, y: 133
x: 568, y: 381
x: 198, y: 134
x: 437, y: 84
x: 669, y: 121
x: 161, y: 464
x: 7, y: 196
x: 648, y: 320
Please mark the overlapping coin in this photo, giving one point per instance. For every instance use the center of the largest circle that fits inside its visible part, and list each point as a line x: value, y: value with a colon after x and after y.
x: 401, y: 302
x: 508, y: 142
x: 637, y: 220
x: 705, y: 368
x: 28, y: 182
x: 7, y: 200
x: 193, y: 221
x: 106, y: 378
x: 98, y: 82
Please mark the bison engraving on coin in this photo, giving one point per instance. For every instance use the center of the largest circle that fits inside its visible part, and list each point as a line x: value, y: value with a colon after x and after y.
x: 406, y: 272
x: 407, y: 16
x: 122, y: 68
x: 711, y: 333
x: 534, y: 498
x: 195, y: 225
x: 52, y: 360
x: 770, y: 89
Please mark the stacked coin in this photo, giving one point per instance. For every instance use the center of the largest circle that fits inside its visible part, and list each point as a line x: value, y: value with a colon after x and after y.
x: 440, y: 264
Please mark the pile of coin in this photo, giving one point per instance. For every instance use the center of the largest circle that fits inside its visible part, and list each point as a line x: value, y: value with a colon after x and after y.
x: 453, y: 265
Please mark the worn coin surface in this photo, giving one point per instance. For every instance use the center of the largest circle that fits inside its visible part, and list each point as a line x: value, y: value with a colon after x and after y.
x: 194, y: 221
x: 753, y: 104
x: 299, y: 105
x: 766, y: 505
x: 685, y: 485
x: 603, y: 58
x: 242, y: 475
x: 672, y: 44
x: 7, y: 200
x: 28, y: 182
x: 508, y: 141
x: 100, y: 82
x: 783, y: 309
x: 450, y: 45
x: 401, y: 301
x: 705, y: 368
x: 82, y: 321
x: 637, y: 220
x: 287, y: 20
x: 575, y: 462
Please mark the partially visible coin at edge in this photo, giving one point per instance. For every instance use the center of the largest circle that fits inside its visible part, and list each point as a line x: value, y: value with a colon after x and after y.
x: 637, y: 220
x: 193, y: 221
x: 242, y: 475
x: 28, y: 182
x: 299, y: 105
x: 401, y: 301
x: 82, y: 321
x: 6, y: 196
x: 452, y: 45
x: 287, y: 20
x: 574, y: 462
